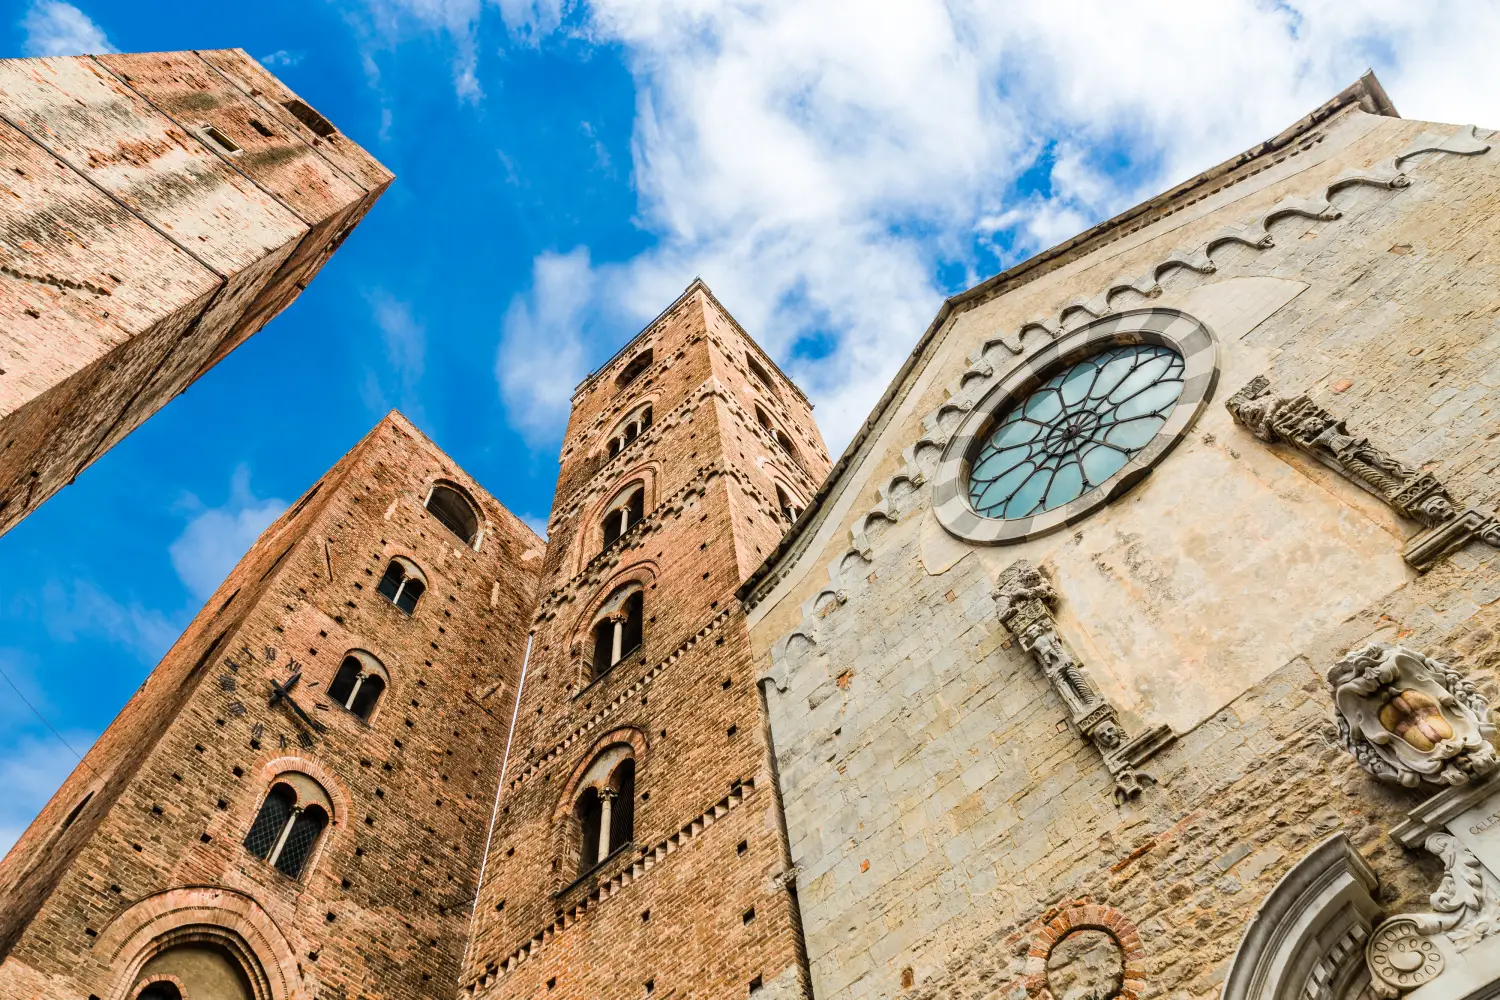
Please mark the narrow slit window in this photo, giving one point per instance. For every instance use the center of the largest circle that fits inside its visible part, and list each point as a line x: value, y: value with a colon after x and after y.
x: 220, y: 138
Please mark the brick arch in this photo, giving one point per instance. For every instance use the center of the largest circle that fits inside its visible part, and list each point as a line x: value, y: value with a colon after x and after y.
x: 625, y: 734
x: 619, y: 414
x: 1086, y: 916
x: 198, y: 913
x: 643, y: 572
x: 395, y: 671
x: 429, y: 483
x: 162, y: 977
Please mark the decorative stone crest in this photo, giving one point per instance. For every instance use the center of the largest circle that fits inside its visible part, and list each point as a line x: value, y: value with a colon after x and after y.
x: 1025, y: 598
x: 1298, y: 421
x: 1409, y: 719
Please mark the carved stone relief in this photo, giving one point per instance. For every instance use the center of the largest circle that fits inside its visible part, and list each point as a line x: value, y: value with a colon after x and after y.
x: 1024, y: 599
x: 1298, y: 421
x: 1409, y: 719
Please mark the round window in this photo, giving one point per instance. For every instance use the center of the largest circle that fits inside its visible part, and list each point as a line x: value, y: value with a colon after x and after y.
x: 1074, y: 425
x: 1075, y: 431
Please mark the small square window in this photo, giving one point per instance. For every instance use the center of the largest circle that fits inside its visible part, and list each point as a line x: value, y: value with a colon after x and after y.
x: 744, y: 846
x: 755, y: 985
x: 748, y: 915
x: 645, y: 916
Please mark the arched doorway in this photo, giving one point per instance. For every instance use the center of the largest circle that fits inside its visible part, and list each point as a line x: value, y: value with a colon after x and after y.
x: 199, y: 962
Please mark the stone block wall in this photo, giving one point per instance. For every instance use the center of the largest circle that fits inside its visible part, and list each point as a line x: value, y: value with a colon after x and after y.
x: 948, y: 822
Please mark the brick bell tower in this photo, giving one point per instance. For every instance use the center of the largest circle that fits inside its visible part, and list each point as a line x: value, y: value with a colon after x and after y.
x: 295, y: 803
x: 637, y: 848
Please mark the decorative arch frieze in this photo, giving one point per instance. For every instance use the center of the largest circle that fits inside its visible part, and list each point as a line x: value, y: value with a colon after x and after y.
x: 999, y: 354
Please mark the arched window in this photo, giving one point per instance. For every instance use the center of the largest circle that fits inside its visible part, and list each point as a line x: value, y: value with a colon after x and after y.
x: 764, y: 419
x: 790, y: 508
x: 454, y: 512
x: 359, y: 683
x: 627, y: 510
x: 618, y: 627
x: 759, y: 371
x: 638, y: 364
x: 75, y: 812
x: 630, y: 427
x: 786, y: 444
x: 291, y: 819
x: 604, y: 813
x: 402, y: 584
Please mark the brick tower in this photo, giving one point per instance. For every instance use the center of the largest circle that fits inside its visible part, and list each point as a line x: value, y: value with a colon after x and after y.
x: 637, y: 848
x: 295, y: 803
x: 155, y: 211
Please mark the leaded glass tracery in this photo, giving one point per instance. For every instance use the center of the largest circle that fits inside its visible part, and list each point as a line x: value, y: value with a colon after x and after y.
x: 1075, y: 431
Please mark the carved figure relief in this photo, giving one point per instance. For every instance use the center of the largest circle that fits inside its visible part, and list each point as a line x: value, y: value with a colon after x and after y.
x: 1298, y: 421
x: 1024, y: 598
x: 1409, y: 719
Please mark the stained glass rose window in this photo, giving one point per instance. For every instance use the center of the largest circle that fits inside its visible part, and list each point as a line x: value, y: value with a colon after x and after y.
x: 1075, y: 431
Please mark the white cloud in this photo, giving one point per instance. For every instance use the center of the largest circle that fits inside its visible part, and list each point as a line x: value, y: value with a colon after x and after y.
x: 282, y: 57
x: 541, y: 356
x: 406, y: 350
x: 31, y: 769
x: 54, y: 28
x: 821, y: 165
x: 216, y: 537
x: 536, y: 522
x: 71, y: 611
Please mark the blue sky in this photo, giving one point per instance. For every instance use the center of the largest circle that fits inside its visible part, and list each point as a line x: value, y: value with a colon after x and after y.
x: 565, y: 169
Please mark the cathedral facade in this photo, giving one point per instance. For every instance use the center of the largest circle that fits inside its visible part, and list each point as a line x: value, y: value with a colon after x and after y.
x: 1140, y: 644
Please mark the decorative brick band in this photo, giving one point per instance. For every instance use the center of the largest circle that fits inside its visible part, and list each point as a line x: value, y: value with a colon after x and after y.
x: 162, y: 977
x: 1084, y: 916
x: 649, y: 858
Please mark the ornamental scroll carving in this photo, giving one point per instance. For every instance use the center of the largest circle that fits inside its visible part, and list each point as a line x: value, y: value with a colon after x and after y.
x: 1024, y: 599
x: 1410, y: 719
x: 1298, y: 421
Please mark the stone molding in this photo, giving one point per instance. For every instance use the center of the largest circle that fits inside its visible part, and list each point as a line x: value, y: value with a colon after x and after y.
x: 1085, y: 916
x: 1306, y: 940
x: 1024, y: 599
x: 1167, y: 327
x: 994, y: 356
x: 650, y: 857
x: 1412, y: 493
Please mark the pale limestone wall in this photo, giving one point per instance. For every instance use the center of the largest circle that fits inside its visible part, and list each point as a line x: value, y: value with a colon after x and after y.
x: 938, y: 804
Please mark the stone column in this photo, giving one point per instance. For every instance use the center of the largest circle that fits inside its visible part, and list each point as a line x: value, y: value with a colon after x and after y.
x: 606, y: 812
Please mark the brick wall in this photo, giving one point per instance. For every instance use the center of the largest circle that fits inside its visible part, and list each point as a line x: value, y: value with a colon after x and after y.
x: 140, y: 248
x: 382, y: 909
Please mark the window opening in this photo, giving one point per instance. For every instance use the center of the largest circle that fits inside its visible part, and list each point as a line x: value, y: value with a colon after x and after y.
x: 162, y: 989
x: 285, y: 831
x: 785, y: 443
x: 790, y: 509
x: 453, y: 512
x: 764, y: 419
x: 619, y: 519
x: 606, y: 818
x: 357, y: 686
x: 218, y: 136
x: 75, y: 812
x: 638, y: 364
x: 402, y: 585
x: 619, y: 632
x: 759, y: 372
x: 307, y: 116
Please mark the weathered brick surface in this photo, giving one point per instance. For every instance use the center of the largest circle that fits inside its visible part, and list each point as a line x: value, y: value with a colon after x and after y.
x: 382, y: 909
x: 686, y: 701
x: 943, y: 814
x: 137, y: 250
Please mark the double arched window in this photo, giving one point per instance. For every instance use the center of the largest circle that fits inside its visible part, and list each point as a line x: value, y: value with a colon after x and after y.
x: 604, y: 813
x: 359, y: 683
x: 627, y: 509
x: 403, y: 584
x: 790, y: 506
x: 783, y: 441
x: 618, y: 627
x: 759, y: 371
x: 290, y: 823
x: 627, y: 430
x: 454, y: 511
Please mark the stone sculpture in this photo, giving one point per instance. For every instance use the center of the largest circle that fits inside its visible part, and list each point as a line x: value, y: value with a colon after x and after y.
x: 1409, y: 719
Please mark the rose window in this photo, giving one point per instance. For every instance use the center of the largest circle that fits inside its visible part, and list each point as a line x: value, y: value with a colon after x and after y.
x: 1075, y: 430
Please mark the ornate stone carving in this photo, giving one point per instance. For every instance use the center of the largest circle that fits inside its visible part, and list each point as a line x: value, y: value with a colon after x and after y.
x: 1409, y: 719
x: 1024, y: 598
x: 1298, y: 421
x: 1402, y: 953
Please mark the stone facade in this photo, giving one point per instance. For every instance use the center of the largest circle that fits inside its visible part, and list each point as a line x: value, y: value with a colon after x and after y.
x: 954, y: 802
x: 144, y: 847
x: 158, y: 209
